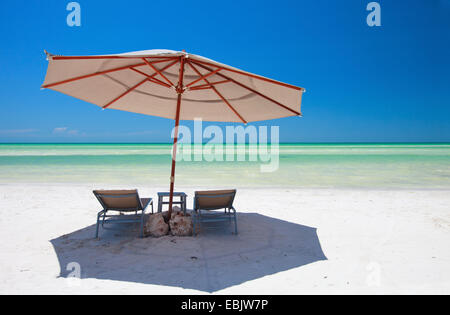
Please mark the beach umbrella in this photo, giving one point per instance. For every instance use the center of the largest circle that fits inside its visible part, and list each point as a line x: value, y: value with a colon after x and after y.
x: 174, y: 85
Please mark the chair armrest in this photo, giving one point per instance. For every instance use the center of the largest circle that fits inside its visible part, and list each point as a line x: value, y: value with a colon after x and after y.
x: 145, y: 202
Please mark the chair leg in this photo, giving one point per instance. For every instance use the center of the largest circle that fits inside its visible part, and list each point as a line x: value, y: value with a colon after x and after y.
x: 235, y: 223
x: 103, y: 219
x: 141, y: 234
x: 194, y: 219
x: 160, y: 204
x: 98, y: 223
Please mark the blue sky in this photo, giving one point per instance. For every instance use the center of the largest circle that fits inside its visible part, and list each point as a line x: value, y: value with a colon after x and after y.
x: 380, y: 84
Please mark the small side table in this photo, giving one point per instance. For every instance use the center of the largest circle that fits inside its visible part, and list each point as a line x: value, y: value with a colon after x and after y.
x: 181, y: 201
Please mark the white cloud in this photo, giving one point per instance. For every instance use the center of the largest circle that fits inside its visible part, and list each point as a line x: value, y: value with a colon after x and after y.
x: 17, y: 131
x: 66, y: 131
x: 60, y: 130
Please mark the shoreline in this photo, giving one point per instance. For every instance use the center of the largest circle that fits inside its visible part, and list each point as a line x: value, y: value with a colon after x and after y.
x: 180, y: 187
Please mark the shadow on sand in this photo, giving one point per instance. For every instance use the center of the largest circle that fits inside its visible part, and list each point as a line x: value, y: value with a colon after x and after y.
x: 212, y: 261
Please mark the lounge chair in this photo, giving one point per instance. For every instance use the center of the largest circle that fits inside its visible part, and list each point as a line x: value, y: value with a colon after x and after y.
x: 125, y: 202
x: 206, y: 202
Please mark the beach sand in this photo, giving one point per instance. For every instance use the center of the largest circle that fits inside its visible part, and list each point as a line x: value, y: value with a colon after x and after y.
x: 291, y: 241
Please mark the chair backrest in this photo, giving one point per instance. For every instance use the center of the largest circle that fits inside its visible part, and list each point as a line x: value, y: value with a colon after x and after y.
x: 121, y: 200
x: 214, y: 199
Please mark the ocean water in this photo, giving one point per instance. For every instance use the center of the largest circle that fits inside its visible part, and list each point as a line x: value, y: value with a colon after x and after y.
x: 385, y: 166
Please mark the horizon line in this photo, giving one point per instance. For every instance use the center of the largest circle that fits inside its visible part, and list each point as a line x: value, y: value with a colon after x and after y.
x: 281, y: 143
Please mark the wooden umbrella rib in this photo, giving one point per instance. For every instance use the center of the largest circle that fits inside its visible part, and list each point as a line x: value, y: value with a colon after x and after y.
x: 165, y: 68
x: 157, y: 81
x: 249, y: 75
x: 150, y: 77
x: 108, y: 57
x: 46, y: 86
x: 208, y: 86
x: 203, y: 77
x: 162, y: 69
x: 250, y: 89
x: 125, y: 93
x: 218, y: 93
x: 158, y: 71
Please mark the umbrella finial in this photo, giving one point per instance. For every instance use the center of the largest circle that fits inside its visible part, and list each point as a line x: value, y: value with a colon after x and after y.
x: 47, y: 54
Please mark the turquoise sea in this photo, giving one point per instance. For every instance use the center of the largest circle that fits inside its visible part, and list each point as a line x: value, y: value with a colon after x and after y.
x: 422, y: 166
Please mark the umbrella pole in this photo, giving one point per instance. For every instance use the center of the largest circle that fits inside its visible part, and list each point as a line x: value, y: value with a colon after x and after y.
x: 175, y: 139
x: 174, y: 156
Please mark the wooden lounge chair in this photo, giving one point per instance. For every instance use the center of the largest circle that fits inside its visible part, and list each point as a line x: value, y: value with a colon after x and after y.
x: 123, y: 202
x: 205, y: 202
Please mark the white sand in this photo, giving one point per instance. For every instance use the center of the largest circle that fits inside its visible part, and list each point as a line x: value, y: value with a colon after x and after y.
x: 366, y: 242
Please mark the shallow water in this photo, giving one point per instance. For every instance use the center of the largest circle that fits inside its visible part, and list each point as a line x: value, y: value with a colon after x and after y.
x: 420, y: 166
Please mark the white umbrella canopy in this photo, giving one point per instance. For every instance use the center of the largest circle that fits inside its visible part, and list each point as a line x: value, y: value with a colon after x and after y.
x: 174, y: 85
x: 145, y: 82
